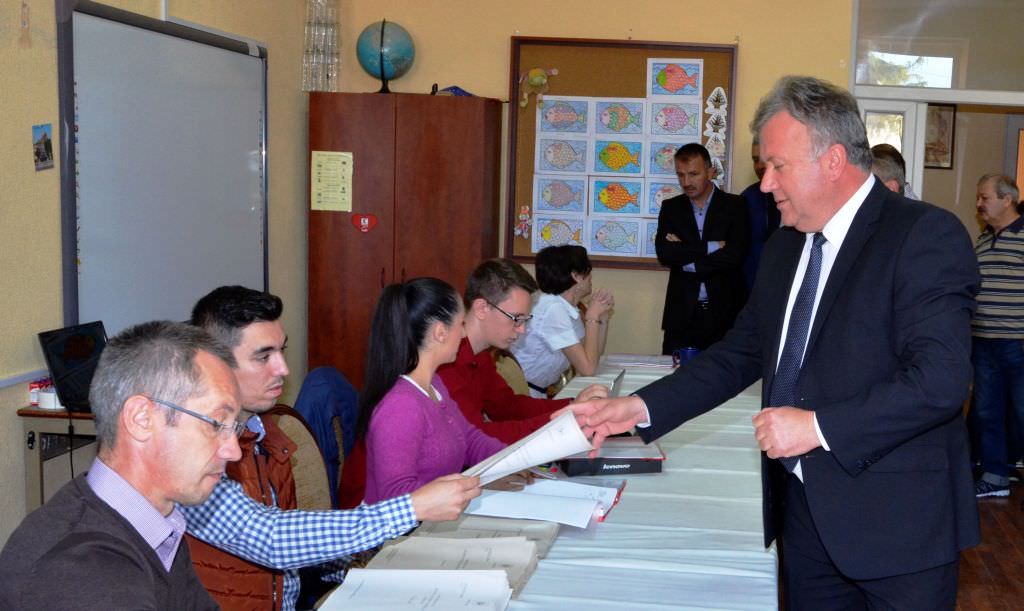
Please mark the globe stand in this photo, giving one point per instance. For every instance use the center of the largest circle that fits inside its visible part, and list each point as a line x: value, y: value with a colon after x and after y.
x: 383, y: 79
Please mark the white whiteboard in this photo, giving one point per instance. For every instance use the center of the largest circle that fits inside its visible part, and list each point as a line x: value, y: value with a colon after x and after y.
x: 169, y: 195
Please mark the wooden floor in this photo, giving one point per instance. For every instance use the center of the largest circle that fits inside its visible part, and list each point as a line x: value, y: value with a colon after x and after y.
x: 992, y: 574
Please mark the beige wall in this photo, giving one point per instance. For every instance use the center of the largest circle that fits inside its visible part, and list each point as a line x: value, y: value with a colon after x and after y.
x: 458, y: 42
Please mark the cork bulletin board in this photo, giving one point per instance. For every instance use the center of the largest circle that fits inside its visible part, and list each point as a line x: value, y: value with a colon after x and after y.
x: 591, y: 163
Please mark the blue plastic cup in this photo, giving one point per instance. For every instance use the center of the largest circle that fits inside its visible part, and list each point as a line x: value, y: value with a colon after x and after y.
x: 682, y: 355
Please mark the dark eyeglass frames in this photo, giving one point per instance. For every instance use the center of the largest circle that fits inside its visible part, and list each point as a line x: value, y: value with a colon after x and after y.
x: 223, y: 429
x: 518, y: 320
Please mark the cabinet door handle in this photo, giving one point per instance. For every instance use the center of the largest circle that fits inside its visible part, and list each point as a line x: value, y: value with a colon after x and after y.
x: 382, y: 277
x: 403, y: 275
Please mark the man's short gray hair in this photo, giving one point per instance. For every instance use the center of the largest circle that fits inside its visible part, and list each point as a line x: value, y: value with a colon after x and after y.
x: 155, y: 359
x: 1004, y: 186
x: 830, y: 112
x: 886, y: 169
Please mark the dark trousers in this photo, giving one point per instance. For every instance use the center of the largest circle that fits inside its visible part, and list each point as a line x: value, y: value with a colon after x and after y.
x: 700, y: 331
x: 814, y: 583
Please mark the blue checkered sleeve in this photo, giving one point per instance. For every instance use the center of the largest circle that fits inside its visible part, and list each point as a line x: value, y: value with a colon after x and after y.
x: 235, y: 523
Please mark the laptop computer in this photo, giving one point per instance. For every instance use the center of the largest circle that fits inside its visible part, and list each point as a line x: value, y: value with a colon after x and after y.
x: 72, y: 354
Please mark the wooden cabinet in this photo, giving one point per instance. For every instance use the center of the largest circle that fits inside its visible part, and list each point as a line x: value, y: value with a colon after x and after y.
x: 427, y: 168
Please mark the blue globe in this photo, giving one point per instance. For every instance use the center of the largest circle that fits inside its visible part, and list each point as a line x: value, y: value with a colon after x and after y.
x: 388, y: 41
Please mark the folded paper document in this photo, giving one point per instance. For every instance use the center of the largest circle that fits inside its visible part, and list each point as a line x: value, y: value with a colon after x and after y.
x: 560, y: 501
x: 556, y: 439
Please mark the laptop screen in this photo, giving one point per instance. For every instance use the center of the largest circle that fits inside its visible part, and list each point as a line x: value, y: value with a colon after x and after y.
x: 72, y: 354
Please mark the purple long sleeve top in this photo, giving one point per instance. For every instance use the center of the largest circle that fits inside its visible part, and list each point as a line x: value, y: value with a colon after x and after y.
x: 413, y: 440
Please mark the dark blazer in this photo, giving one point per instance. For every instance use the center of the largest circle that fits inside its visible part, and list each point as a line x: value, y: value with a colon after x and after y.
x: 886, y: 370
x: 721, y: 271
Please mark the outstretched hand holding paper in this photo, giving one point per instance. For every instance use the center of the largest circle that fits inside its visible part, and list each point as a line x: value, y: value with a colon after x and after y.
x: 556, y: 439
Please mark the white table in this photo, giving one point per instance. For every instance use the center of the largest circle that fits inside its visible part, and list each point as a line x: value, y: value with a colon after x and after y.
x: 687, y: 538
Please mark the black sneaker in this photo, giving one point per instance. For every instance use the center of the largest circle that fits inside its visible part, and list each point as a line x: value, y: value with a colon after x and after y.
x: 986, y: 488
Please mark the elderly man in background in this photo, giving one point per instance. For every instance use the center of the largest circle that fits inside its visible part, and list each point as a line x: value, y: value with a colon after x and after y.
x: 998, y: 331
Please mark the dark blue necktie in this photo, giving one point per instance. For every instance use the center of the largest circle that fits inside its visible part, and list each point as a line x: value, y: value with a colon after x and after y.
x: 784, y: 383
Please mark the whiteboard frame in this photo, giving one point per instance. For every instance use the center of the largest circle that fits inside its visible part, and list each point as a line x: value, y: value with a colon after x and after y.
x: 66, y: 99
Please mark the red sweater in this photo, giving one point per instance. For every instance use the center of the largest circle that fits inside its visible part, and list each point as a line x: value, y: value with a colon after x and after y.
x: 475, y: 384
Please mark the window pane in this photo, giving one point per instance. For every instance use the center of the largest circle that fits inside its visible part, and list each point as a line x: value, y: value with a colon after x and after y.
x: 884, y: 127
x: 962, y: 44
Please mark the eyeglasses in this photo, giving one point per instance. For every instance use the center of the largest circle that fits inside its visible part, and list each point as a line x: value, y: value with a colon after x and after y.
x: 223, y: 429
x: 518, y: 320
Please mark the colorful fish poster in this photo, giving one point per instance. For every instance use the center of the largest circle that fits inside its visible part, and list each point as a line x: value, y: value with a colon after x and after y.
x: 657, y: 191
x: 616, y: 196
x: 650, y: 232
x: 565, y: 115
x: 557, y: 231
x: 559, y: 194
x: 676, y: 119
x: 618, y: 157
x: 561, y: 155
x: 615, y: 237
x: 619, y: 116
x: 674, y: 77
x: 661, y: 158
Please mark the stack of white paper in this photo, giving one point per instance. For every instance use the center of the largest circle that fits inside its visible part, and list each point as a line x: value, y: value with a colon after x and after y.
x: 482, y: 527
x: 390, y: 590
x: 514, y: 555
x: 556, y: 439
x: 560, y: 501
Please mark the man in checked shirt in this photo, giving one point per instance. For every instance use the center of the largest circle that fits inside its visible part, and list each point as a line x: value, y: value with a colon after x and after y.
x: 247, y: 553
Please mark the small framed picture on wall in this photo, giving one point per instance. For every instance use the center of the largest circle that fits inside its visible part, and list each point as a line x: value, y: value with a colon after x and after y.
x: 940, y: 129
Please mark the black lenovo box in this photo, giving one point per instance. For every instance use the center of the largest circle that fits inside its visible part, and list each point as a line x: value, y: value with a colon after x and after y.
x: 617, y: 456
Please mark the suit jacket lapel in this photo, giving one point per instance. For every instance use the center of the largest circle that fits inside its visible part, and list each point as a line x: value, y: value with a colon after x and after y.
x: 860, y: 232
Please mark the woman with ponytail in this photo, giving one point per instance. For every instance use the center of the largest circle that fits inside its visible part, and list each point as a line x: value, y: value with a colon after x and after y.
x: 414, y: 431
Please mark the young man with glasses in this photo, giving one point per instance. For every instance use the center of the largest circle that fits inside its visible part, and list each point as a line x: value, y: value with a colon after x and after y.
x: 497, y: 310
x: 233, y: 540
x: 111, y: 537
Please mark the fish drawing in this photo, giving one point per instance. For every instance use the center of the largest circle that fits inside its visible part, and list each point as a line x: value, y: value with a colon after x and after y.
x: 674, y: 119
x: 617, y: 118
x: 562, y: 116
x: 673, y: 78
x: 664, y: 158
x: 613, y: 236
x: 558, y: 194
x: 616, y: 197
x: 561, y: 155
x: 666, y: 192
x: 558, y: 233
x: 616, y: 156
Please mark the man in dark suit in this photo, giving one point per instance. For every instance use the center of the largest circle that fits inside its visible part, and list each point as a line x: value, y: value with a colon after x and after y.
x: 764, y: 216
x: 859, y: 326
x: 703, y: 237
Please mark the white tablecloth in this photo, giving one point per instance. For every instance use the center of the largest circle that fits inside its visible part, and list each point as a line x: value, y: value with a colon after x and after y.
x: 687, y: 538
